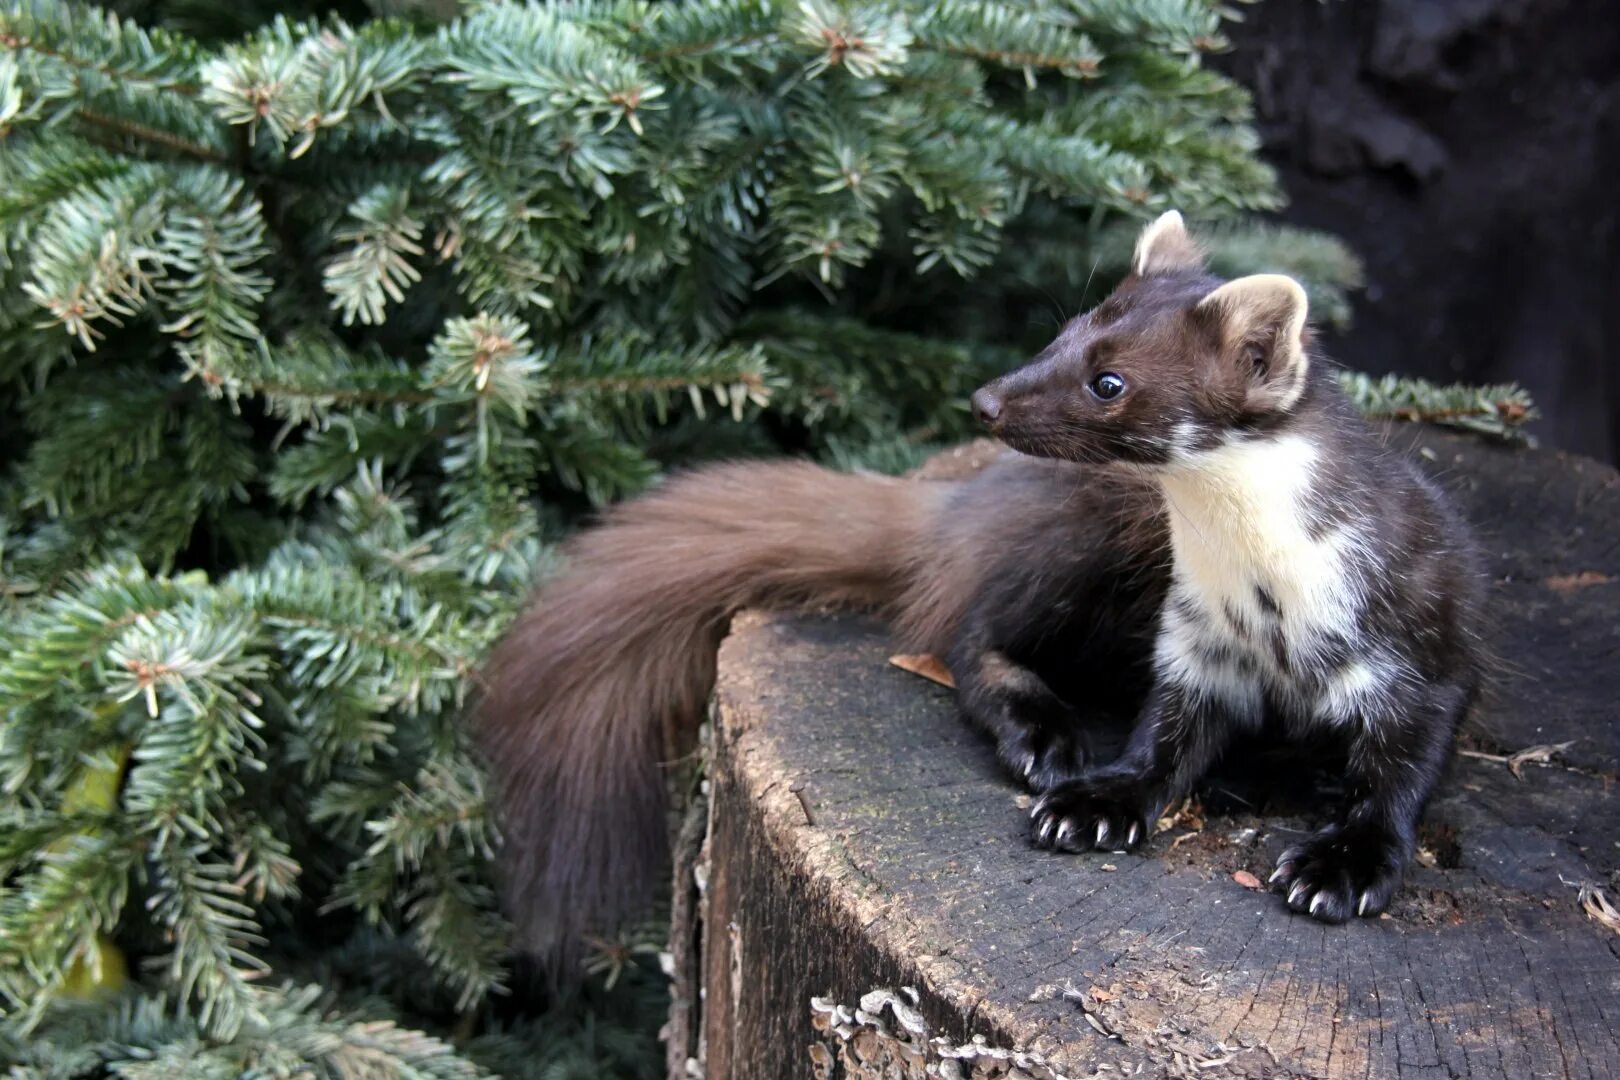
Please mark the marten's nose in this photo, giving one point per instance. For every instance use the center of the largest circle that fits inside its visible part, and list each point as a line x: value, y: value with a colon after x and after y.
x: 986, y: 407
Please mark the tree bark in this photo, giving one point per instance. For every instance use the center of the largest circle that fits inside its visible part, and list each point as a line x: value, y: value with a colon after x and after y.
x: 870, y: 906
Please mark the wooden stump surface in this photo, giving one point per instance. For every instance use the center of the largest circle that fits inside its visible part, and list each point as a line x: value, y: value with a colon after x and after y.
x: 870, y: 904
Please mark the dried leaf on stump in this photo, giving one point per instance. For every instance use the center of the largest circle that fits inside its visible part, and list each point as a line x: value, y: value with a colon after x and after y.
x: 1248, y: 880
x: 929, y: 667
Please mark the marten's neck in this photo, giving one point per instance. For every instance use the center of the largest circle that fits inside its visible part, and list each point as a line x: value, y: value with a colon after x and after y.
x: 1255, y: 550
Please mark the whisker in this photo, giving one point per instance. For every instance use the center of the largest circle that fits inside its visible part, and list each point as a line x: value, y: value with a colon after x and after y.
x: 1184, y: 516
x: 1062, y: 316
x: 1086, y: 288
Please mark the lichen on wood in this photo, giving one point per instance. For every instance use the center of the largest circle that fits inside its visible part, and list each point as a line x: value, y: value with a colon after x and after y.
x: 885, y: 1037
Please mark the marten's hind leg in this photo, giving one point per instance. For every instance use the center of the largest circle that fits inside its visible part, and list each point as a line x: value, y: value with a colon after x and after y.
x: 1037, y: 734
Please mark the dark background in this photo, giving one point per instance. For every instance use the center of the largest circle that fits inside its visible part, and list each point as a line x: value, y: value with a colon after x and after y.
x: 1469, y: 150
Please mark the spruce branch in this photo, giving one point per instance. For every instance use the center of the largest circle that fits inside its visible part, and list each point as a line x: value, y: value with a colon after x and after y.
x: 310, y: 399
x: 68, y: 895
x: 343, y: 444
x: 211, y: 246
x: 71, y: 628
x: 117, y: 82
x: 375, y: 268
x: 296, y: 1031
x: 508, y: 229
x: 867, y: 40
x: 1181, y: 27
x: 146, y: 133
x: 627, y: 369
x: 455, y: 929
x: 313, y: 381
x: 193, y: 655
x: 1060, y: 162
x: 486, y: 359
x: 423, y: 850
x: 99, y: 45
x: 1500, y: 411
x: 65, y: 167
x: 548, y: 67
x: 491, y: 529
x: 93, y: 257
x: 215, y: 939
x: 1006, y: 36
x: 295, y: 80
x: 263, y: 862
x: 725, y: 33
x: 148, y: 482
x: 322, y: 333
x: 593, y: 458
x: 428, y: 673
x: 11, y: 93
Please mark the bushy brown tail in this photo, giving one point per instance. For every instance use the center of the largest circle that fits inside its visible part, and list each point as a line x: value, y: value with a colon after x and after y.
x: 606, y: 675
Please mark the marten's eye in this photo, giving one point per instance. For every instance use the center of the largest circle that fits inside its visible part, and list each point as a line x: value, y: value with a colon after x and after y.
x: 1108, y: 386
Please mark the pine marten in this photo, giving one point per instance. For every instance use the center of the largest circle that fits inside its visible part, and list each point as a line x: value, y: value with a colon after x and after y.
x: 1194, y: 521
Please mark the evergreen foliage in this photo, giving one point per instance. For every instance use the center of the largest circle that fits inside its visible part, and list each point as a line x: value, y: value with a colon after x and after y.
x: 318, y: 328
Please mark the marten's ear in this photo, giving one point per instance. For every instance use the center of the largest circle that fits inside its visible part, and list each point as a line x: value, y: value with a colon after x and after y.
x: 1165, y: 247
x: 1261, y: 322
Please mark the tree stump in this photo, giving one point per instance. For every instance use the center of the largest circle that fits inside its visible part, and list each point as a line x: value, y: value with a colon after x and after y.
x: 865, y: 902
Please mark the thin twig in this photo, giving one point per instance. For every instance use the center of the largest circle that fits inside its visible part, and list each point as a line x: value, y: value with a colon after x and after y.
x: 1516, y: 761
x: 166, y: 139
x: 18, y: 42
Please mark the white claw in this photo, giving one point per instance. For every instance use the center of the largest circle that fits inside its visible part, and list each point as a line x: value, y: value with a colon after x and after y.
x: 1361, y: 906
x: 1296, y: 892
x: 1064, y: 830
x: 1102, y: 832
x: 1130, y: 837
x: 1277, y: 873
x: 1046, y: 829
x: 1039, y: 807
x: 1029, y: 764
x: 1317, y: 901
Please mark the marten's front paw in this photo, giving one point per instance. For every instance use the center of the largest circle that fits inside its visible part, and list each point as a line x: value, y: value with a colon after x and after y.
x: 1081, y: 816
x: 1340, y: 872
x: 1042, y: 759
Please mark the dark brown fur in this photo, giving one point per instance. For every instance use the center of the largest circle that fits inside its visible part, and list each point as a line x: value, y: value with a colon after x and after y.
x: 604, y: 677
x: 1041, y: 580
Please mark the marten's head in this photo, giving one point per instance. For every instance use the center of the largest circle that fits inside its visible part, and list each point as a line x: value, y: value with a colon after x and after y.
x: 1175, y: 362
